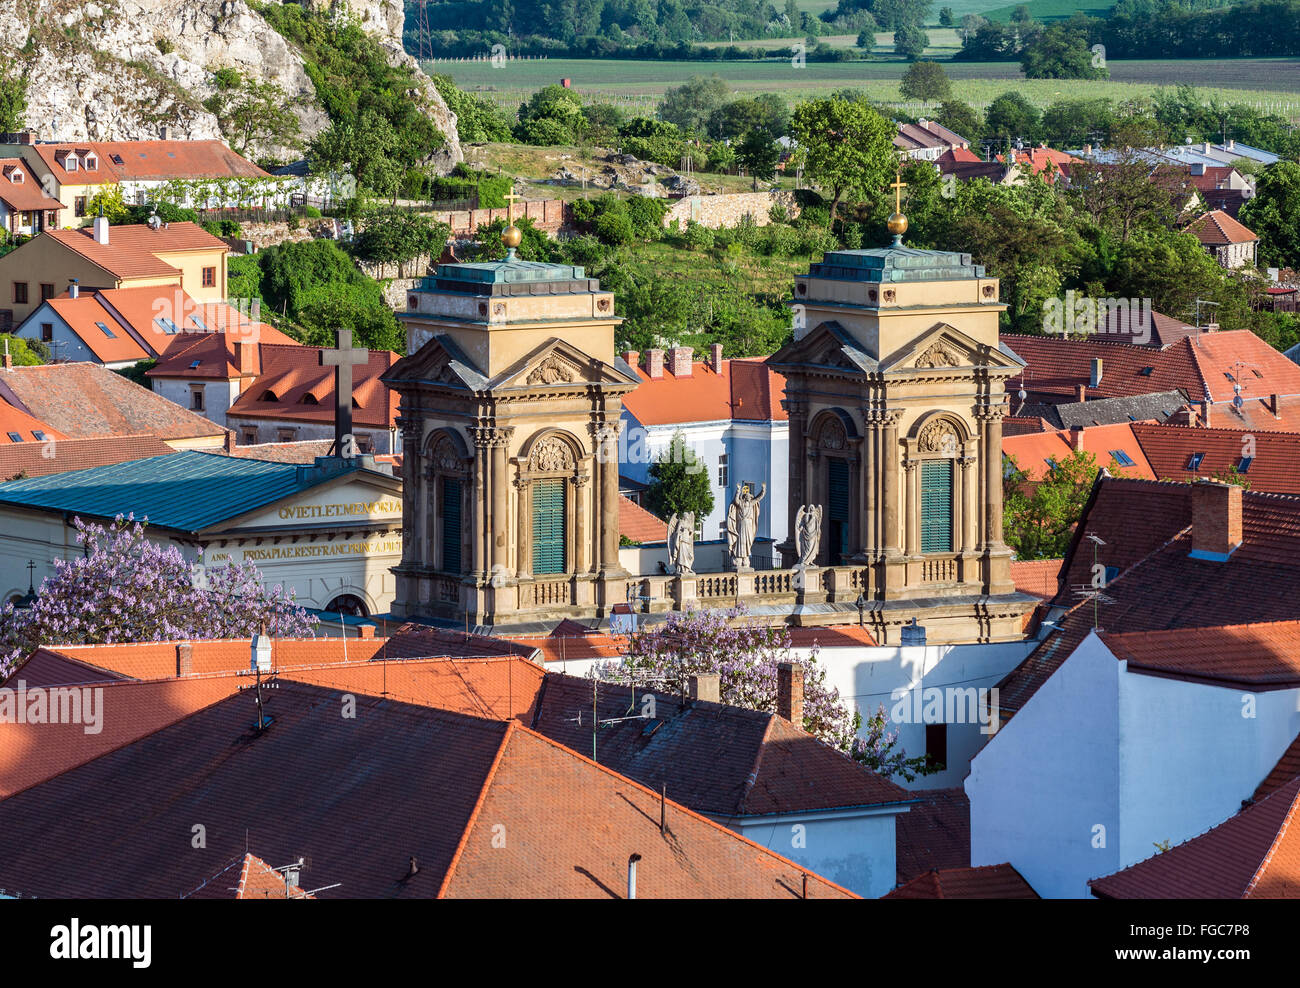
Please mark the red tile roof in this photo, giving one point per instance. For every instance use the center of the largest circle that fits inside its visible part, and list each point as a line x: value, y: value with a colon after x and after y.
x: 1042, y: 159
x: 214, y: 351
x: 1037, y: 577
x: 746, y: 389
x: 30, y: 460
x: 1252, y: 855
x: 54, y: 155
x: 638, y: 524
x: 831, y: 636
x: 718, y: 759
x: 934, y: 833
x: 1214, y: 177
x: 20, y: 190
x: 258, y: 880
x: 83, y: 316
x: 85, y: 400
x: 149, y: 160
x: 1286, y: 769
x: 1275, y: 463
x: 1032, y: 451
x: 1209, y: 361
x: 1255, y: 657
x: 1019, y: 425
x: 955, y: 156
x: 421, y: 783
x: 132, y: 250
x: 294, y: 373
x: 1000, y: 881
x: 1217, y: 229
x: 1145, y: 527
x: 26, y: 426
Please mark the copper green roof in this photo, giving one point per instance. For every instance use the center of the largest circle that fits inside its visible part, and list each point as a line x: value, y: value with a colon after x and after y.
x: 509, y: 276
x: 895, y: 264
x: 187, y: 491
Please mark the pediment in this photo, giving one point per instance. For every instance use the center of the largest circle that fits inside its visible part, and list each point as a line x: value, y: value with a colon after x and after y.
x: 827, y: 346
x: 557, y: 364
x: 441, y: 362
x: 946, y: 347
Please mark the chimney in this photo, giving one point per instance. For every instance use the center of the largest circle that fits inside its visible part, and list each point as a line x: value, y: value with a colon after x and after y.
x: 1232, y: 145
x: 705, y: 686
x: 1216, y: 520
x: 101, y: 229
x: 1206, y: 149
x: 184, y: 659
x: 1087, y: 149
x: 631, y: 875
x: 74, y: 288
x: 1076, y: 437
x: 654, y: 364
x: 715, y: 358
x: 1198, y: 167
x: 632, y: 357
x: 9, y: 360
x: 1205, y: 413
x: 679, y: 361
x: 366, y: 631
x: 789, y: 692
x: 1095, y: 379
x: 1083, y: 392
x: 247, y: 359
x: 1272, y: 405
x: 1210, y: 327
x: 164, y: 133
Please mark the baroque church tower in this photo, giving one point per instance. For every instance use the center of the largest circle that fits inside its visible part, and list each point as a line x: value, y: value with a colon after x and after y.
x: 510, y: 407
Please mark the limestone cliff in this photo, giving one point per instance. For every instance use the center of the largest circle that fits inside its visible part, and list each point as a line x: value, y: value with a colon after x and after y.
x: 121, y: 69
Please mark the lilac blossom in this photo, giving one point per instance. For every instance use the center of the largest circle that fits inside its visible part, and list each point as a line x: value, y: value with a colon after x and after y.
x: 127, y: 588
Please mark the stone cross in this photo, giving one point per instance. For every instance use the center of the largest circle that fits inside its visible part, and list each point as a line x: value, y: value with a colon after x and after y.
x: 898, y: 185
x: 342, y: 360
x: 510, y: 198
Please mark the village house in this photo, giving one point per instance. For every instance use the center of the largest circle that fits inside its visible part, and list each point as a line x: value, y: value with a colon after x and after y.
x: 926, y: 140
x: 157, y: 255
x: 25, y: 209
x: 1226, y: 240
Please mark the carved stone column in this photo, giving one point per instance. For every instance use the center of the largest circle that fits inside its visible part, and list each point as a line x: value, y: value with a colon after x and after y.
x: 500, y: 522
x: 991, y: 416
x: 605, y: 443
x: 413, y: 504
x: 524, y: 552
x: 912, y: 506
x: 969, y: 486
x: 480, y: 520
x: 891, y: 453
x: 870, y: 483
x: 582, y: 541
x: 797, y: 412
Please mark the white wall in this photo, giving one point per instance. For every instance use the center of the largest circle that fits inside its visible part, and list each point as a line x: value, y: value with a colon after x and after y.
x: 268, y: 430
x: 218, y: 395
x: 67, y: 345
x: 856, y: 849
x: 1050, y: 776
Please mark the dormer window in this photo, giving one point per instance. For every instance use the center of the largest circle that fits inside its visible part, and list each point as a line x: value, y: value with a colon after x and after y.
x: 16, y: 177
x: 70, y: 163
x: 269, y: 395
x: 309, y: 399
x: 91, y: 162
x: 115, y: 158
x: 166, y: 325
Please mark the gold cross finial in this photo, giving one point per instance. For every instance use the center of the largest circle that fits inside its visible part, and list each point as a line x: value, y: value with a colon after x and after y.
x: 510, y: 198
x: 898, y: 185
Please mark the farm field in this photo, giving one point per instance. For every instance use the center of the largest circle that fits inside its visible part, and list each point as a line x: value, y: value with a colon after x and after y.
x: 637, y: 85
x: 1049, y: 10
x: 944, y: 42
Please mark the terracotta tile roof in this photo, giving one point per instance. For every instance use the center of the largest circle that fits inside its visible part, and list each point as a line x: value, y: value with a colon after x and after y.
x: 299, y: 452
x: 84, y: 315
x: 294, y: 373
x: 717, y: 759
x: 572, y: 644
x: 1042, y: 159
x: 1286, y: 769
x: 1019, y: 425
x: 638, y: 524
x: 15, y: 420
x: 55, y: 154
x: 1145, y: 525
x: 85, y: 400
x: 1037, y: 577
x: 132, y: 250
x: 1207, y: 362
x: 746, y: 390
x: 1000, y: 881
x: 1274, y: 466
x: 1213, y: 177
x: 146, y: 160
x: 1256, y: 657
x: 1252, y: 855
x: 833, y: 636
x: 955, y: 156
x: 21, y: 190
x: 420, y: 640
x: 1216, y: 229
x: 934, y: 833
x: 29, y: 459
x: 1032, y: 451
x: 1118, y: 326
x: 258, y: 880
x: 213, y: 350
x: 548, y: 856
x: 420, y: 783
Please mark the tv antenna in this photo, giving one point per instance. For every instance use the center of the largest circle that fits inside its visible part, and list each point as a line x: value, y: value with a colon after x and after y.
x: 1091, y: 592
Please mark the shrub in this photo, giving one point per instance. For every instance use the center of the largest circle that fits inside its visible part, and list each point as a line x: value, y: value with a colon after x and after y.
x: 312, y: 213
x: 586, y: 250
x: 614, y: 228
x: 778, y: 213
x: 699, y: 237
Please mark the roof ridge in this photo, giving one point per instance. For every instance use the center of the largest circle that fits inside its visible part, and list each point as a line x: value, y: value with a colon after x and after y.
x: 506, y: 737
x: 685, y: 809
x: 752, y: 778
x: 1278, y: 837
x: 1198, y: 629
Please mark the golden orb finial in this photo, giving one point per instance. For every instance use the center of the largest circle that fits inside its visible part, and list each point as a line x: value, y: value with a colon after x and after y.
x: 898, y: 222
x: 512, y: 236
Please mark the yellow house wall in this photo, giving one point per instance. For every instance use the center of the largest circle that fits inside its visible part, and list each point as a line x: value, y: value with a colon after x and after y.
x: 191, y: 265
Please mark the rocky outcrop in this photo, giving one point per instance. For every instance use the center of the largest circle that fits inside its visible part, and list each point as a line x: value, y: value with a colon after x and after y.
x: 120, y: 69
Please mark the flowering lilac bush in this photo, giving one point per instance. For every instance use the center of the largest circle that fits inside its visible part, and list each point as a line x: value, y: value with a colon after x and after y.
x: 127, y: 588
x: 745, y: 658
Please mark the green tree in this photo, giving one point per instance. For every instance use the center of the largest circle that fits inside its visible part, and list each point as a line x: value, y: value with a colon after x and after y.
x: 679, y: 481
x: 1120, y: 194
x: 557, y: 104
x: 1061, y: 52
x: 846, y: 147
x: 1039, y: 518
x: 910, y: 41
x: 961, y: 118
x: 758, y: 155
x: 690, y: 105
x: 13, y: 101
x: 109, y: 199
x: 1274, y: 215
x: 478, y: 118
x: 398, y: 237
x: 926, y: 81
x: 24, y: 351
x: 945, y: 17
x: 252, y: 114
x: 1011, y: 116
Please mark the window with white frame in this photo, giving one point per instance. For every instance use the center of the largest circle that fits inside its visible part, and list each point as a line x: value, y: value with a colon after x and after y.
x: 722, y: 470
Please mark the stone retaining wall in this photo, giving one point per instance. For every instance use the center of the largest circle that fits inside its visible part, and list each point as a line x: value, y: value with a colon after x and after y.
x: 728, y: 209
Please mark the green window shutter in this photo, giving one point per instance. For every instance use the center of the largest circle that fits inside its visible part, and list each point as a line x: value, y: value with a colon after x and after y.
x: 548, y: 526
x: 936, y: 505
x: 452, y: 536
x: 837, y: 489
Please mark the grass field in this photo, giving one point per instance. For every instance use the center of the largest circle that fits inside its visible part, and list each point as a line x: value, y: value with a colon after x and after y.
x: 636, y: 86
x: 944, y: 42
x: 1049, y: 10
